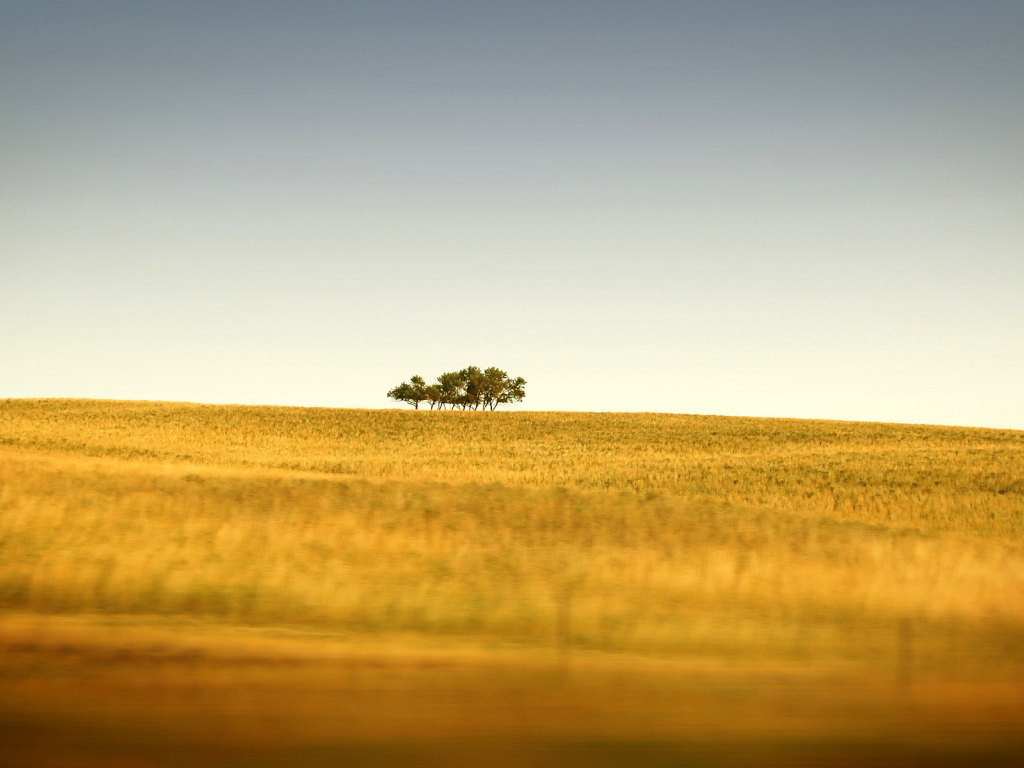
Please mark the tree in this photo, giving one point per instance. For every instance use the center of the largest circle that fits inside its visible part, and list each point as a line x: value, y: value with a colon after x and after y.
x: 498, y: 388
x: 491, y: 387
x: 451, y: 388
x: 472, y: 387
x: 514, y: 392
x: 433, y: 396
x: 412, y: 392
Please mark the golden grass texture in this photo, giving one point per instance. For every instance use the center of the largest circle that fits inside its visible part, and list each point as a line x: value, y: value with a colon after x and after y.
x: 925, y: 477
x: 192, y: 585
x: 608, y: 571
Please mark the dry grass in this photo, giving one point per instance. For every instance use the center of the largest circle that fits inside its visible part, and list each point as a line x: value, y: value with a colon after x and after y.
x: 932, y: 478
x: 493, y: 561
x: 644, y: 577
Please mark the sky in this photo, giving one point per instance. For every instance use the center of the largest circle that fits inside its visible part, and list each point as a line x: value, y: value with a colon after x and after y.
x: 792, y: 209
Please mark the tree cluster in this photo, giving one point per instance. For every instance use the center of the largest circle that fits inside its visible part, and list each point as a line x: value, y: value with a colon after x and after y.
x: 468, y: 389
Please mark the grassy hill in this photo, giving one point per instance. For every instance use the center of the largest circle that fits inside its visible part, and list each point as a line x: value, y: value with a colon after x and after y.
x: 930, y: 478
x: 517, y: 578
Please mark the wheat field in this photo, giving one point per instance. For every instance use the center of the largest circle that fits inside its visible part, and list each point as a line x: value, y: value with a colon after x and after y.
x: 183, y: 584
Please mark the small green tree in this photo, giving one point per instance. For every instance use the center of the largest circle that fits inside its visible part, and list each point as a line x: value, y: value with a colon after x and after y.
x: 514, y: 391
x: 452, y: 390
x: 433, y: 396
x: 491, y: 387
x: 497, y: 388
x: 472, y: 387
x: 412, y: 392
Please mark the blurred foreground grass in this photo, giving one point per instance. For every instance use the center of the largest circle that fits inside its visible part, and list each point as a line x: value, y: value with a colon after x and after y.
x: 184, y: 583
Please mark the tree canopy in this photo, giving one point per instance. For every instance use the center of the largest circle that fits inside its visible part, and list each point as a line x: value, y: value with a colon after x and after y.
x: 468, y: 389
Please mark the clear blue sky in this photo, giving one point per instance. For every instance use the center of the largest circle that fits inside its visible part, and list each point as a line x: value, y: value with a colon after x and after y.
x: 779, y: 209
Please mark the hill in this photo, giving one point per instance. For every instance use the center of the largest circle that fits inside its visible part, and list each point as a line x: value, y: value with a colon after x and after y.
x: 925, y: 477
x: 520, y: 578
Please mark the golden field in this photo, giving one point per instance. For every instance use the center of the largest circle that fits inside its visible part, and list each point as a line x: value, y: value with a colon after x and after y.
x: 189, y: 584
